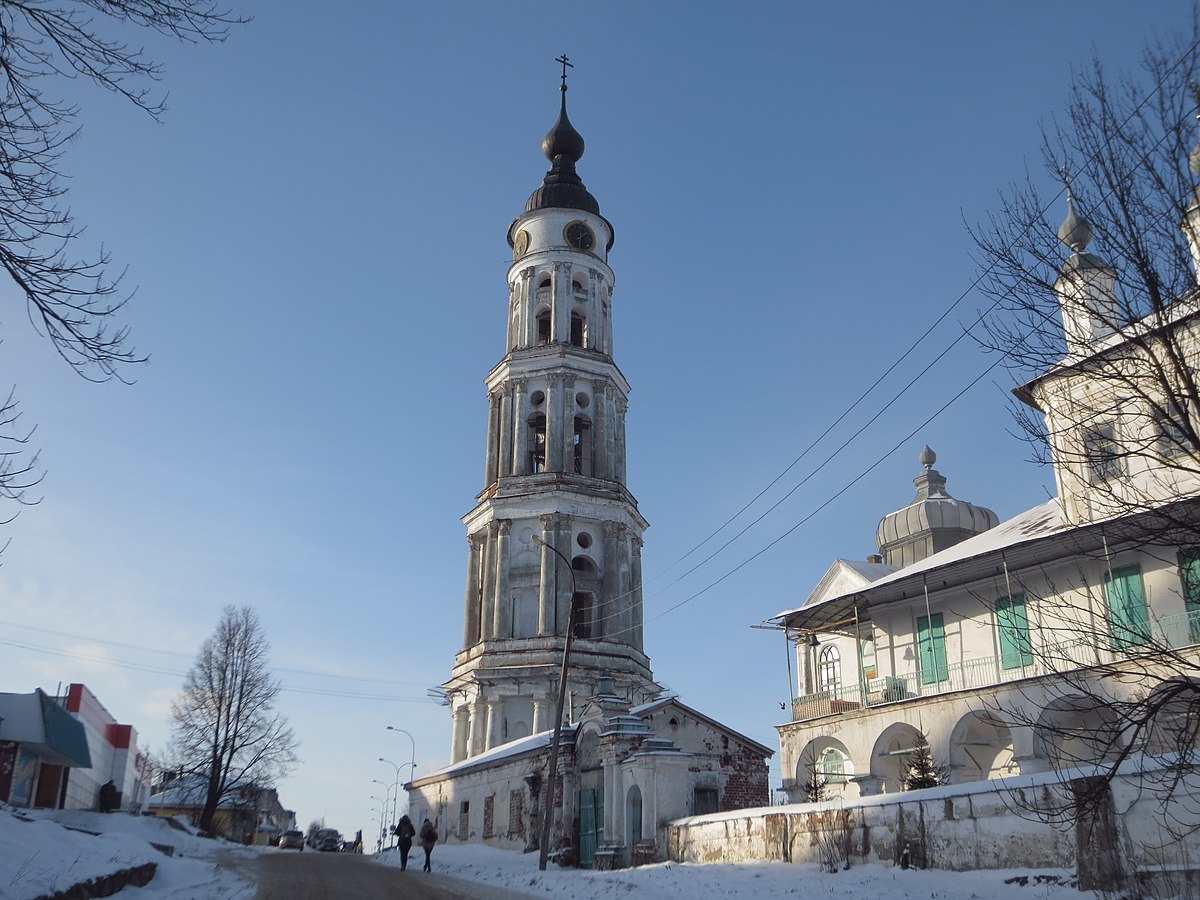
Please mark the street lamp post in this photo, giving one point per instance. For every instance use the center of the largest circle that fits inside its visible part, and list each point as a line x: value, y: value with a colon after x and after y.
x: 558, y: 709
x: 394, y: 791
x: 412, y: 772
x: 382, y: 813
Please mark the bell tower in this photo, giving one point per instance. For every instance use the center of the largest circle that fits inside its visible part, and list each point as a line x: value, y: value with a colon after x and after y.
x: 554, y: 480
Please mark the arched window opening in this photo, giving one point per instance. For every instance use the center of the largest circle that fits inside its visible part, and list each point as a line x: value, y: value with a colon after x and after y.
x: 833, y: 767
x: 829, y: 671
x: 584, y: 464
x: 578, y: 330
x: 583, y: 614
x: 584, y: 598
x: 543, y: 327
x: 537, y: 444
x: 544, y: 284
x: 579, y: 286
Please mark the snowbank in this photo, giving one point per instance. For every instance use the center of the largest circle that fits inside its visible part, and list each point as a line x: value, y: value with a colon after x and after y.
x: 51, y: 850
x: 683, y: 881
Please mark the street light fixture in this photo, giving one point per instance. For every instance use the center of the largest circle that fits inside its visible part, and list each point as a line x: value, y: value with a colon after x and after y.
x: 548, y: 803
x: 394, y: 787
x: 412, y: 772
x: 382, y: 813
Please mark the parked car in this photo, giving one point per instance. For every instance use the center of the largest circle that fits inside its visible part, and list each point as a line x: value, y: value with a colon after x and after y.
x: 292, y: 840
x: 328, y: 839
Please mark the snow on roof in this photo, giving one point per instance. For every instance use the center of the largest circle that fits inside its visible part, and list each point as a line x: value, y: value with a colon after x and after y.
x: 504, y: 751
x: 868, y: 570
x: 1041, y: 521
x: 662, y: 702
x: 189, y: 791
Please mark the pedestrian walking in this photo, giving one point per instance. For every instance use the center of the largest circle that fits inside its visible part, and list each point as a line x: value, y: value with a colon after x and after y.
x: 404, y: 833
x: 428, y: 839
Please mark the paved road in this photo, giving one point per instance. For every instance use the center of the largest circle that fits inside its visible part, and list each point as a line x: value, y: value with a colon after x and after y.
x: 289, y: 875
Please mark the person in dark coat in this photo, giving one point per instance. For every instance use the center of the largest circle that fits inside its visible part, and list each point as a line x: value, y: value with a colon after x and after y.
x: 404, y: 833
x: 108, y: 796
x: 428, y: 839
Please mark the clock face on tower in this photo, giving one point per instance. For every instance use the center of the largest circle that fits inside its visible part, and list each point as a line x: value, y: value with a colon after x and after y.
x: 579, y: 236
x: 520, y: 244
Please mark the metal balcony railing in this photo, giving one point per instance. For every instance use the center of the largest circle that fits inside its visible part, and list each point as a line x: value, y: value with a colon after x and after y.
x: 1081, y: 651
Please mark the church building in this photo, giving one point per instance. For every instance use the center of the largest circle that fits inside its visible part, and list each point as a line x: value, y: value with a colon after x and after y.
x: 555, y: 568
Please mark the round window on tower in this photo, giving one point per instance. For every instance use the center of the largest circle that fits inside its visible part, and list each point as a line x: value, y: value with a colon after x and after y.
x: 583, y: 539
x: 582, y: 400
x: 537, y: 398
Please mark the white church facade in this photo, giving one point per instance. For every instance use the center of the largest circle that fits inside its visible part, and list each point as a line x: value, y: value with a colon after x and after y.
x: 554, y: 561
x: 1027, y: 649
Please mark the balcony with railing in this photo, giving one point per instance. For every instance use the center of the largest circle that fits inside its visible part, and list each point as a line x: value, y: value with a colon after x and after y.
x: 1079, y: 652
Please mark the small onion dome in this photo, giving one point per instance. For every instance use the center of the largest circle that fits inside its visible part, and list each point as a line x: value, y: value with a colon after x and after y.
x: 932, y: 522
x: 563, y: 139
x: 562, y: 188
x: 1075, y: 231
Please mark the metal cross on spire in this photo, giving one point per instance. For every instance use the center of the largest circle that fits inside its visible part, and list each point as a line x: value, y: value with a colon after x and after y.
x: 566, y: 64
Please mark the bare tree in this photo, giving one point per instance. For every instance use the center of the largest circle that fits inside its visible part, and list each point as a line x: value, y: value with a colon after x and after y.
x: 226, y: 732
x: 1122, y: 154
x: 1098, y: 319
x: 70, y: 295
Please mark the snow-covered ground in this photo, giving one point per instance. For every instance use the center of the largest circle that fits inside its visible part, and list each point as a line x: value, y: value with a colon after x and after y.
x: 39, y: 855
x: 674, y: 881
x: 41, y: 852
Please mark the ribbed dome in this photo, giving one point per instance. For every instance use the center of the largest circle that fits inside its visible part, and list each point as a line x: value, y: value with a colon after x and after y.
x: 562, y: 188
x: 932, y: 522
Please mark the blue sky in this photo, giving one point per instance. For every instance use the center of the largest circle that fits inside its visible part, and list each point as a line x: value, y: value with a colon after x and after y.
x: 317, y: 237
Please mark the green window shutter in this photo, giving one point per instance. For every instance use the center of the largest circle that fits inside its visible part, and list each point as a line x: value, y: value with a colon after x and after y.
x: 931, y: 641
x: 1127, y: 607
x: 1189, y: 579
x: 1015, y: 648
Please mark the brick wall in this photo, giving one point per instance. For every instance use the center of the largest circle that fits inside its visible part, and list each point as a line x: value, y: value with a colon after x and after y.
x: 747, y: 782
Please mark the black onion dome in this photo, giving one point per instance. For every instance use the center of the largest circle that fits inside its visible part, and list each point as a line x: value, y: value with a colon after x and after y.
x: 563, y: 139
x: 562, y: 188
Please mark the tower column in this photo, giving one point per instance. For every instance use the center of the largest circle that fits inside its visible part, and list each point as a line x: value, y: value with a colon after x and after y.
x: 555, y: 304
x: 541, y: 714
x: 546, y: 580
x: 471, y: 618
x: 478, y: 727
x: 506, y: 431
x: 606, y: 307
x: 513, y: 335
x: 461, y: 734
x: 562, y: 539
x: 493, y: 443
x: 636, y: 613
x: 526, y: 303
x: 568, y: 420
x: 554, y: 423
x: 502, y: 626
x: 612, y: 603
x: 624, y: 604
x: 619, y: 441
x: 560, y: 287
x: 495, y: 721
x: 520, y: 461
x: 600, y: 430
x: 488, y: 591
